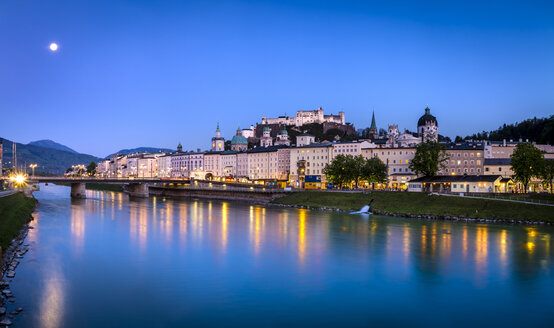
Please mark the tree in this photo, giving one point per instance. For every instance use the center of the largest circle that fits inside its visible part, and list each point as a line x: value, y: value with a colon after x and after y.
x: 429, y: 158
x: 527, y: 162
x: 91, y: 169
x: 374, y: 171
x: 547, y: 174
x: 337, y: 170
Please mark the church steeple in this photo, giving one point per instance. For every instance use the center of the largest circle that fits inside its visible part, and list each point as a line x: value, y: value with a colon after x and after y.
x: 373, y: 125
x: 373, y: 132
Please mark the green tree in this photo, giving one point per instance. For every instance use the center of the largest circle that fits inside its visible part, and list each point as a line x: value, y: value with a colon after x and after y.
x: 91, y: 169
x: 374, y: 171
x: 547, y: 174
x: 429, y: 158
x: 527, y: 162
x: 356, y: 168
x: 338, y: 170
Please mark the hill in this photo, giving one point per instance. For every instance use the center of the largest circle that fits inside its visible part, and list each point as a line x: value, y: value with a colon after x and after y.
x: 48, y: 160
x: 46, y: 143
x: 540, y: 130
x: 152, y: 150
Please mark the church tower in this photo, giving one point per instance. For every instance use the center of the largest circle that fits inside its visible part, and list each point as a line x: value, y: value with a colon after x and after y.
x: 283, y: 137
x: 218, y: 143
x: 266, y: 139
x: 373, y: 133
x: 428, y: 127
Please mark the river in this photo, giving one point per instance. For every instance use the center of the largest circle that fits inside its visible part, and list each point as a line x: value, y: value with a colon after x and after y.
x: 111, y: 261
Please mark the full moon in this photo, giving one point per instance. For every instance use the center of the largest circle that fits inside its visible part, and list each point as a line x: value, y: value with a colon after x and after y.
x: 53, y: 46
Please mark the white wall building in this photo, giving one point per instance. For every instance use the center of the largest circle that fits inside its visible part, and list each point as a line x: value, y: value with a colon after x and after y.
x: 306, y: 117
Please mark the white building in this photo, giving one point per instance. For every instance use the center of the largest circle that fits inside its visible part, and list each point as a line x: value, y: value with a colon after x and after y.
x: 310, y: 159
x: 304, y: 139
x: 306, y: 117
x: 183, y: 165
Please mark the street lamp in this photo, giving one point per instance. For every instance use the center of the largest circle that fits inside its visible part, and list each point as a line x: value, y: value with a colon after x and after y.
x: 32, y: 166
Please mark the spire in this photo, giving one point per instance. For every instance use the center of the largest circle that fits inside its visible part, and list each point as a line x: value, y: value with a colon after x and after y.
x: 373, y: 125
x: 427, y: 110
x: 217, y: 130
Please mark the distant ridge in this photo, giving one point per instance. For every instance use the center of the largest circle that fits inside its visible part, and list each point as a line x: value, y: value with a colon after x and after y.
x: 47, y: 143
x: 152, y: 150
x: 49, y: 160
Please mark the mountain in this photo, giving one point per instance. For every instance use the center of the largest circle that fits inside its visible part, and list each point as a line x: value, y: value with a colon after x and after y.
x: 48, y: 160
x: 152, y: 150
x: 51, y: 144
x: 540, y: 130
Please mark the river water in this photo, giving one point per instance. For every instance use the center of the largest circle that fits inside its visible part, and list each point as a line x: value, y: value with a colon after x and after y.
x: 109, y: 261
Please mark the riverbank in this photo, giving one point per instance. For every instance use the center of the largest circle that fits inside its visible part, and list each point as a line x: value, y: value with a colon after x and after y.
x: 421, y: 205
x: 15, y: 215
x: 15, y: 212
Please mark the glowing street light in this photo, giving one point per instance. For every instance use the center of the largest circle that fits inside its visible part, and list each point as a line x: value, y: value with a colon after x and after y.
x: 32, y: 166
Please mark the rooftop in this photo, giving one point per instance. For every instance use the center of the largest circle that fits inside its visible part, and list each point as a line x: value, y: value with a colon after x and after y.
x: 458, y: 178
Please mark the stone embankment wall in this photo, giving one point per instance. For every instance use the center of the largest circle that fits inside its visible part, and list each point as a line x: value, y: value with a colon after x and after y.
x: 248, y: 195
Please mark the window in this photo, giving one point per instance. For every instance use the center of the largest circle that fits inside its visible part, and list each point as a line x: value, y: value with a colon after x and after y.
x: 454, y: 185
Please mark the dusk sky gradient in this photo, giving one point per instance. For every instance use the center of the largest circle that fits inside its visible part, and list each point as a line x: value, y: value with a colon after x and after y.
x: 153, y: 73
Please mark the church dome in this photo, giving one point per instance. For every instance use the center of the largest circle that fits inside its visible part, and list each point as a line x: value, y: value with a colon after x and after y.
x: 266, y: 127
x: 239, y: 140
x: 284, y: 131
x: 427, y: 118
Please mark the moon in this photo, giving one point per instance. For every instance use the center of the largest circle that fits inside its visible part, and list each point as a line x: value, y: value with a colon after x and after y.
x: 53, y: 46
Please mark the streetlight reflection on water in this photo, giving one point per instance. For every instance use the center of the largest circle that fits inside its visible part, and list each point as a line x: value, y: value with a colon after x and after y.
x: 196, y: 249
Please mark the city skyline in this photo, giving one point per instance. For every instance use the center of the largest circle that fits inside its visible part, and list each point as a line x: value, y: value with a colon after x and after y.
x: 127, y: 74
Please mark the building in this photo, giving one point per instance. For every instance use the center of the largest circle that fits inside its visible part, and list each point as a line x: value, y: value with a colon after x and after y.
x: 148, y: 166
x: 249, y: 133
x: 498, y: 166
x: 353, y: 148
x: 212, y: 165
x: 373, y: 132
x: 458, y: 184
x: 398, y: 164
x: 427, y: 126
x: 239, y: 142
x: 306, y: 117
x: 218, y: 143
x: 304, y: 139
x: 283, y: 137
x: 229, y: 164
x: 464, y: 158
x: 184, y: 164
x: 309, y: 159
x: 164, y: 166
x: 266, y: 140
x: 268, y: 163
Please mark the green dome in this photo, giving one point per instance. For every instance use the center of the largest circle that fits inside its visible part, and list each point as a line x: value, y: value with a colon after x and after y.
x: 427, y: 117
x: 266, y: 127
x: 239, y: 140
x: 284, y: 131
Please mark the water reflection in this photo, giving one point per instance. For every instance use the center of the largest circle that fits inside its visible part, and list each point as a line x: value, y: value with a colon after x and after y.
x: 331, y: 259
x: 302, y: 235
x: 77, y: 224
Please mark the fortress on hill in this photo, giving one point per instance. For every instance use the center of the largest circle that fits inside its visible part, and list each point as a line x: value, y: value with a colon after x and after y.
x: 306, y: 117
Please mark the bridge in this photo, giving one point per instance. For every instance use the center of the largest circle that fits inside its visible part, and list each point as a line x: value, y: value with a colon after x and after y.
x: 143, y: 187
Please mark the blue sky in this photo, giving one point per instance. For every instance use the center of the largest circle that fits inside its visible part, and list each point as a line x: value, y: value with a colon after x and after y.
x: 153, y: 73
